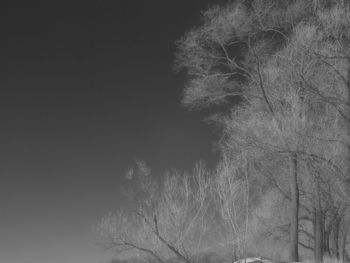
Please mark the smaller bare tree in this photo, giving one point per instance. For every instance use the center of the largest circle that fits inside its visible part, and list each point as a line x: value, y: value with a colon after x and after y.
x: 169, y: 220
x: 232, y: 194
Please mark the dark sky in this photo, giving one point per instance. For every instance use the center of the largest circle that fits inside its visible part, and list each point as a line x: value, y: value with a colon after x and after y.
x: 86, y: 88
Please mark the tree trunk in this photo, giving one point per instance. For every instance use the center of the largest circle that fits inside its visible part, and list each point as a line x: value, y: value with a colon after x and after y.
x: 343, y: 243
x: 348, y: 151
x: 335, y: 240
x: 318, y: 234
x: 318, y: 224
x: 294, y: 209
x: 327, y: 233
x: 326, y: 250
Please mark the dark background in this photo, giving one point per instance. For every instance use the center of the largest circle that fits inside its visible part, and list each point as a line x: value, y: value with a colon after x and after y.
x: 87, y: 87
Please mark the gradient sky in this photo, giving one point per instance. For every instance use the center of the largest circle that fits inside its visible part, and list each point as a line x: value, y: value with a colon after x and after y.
x: 86, y: 88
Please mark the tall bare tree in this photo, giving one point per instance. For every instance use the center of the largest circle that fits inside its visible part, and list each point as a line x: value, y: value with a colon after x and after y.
x: 280, y: 67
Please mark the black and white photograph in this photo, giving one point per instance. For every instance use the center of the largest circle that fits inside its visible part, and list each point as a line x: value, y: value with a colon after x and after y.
x: 183, y: 131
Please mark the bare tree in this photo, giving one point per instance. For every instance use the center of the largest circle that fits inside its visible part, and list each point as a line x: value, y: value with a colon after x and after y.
x: 282, y: 69
x: 170, y: 219
x: 231, y: 190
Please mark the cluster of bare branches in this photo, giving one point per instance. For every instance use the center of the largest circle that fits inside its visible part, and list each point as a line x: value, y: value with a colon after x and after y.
x: 170, y: 219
